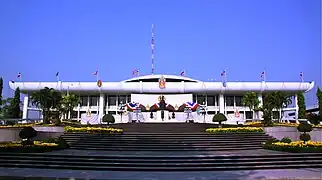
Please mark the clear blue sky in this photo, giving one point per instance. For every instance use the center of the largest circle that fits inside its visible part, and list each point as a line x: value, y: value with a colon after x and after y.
x: 77, y: 37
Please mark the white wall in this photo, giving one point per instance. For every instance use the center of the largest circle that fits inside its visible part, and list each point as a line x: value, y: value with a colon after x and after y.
x: 150, y: 99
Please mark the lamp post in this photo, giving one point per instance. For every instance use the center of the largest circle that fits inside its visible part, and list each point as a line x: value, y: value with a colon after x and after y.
x: 203, y: 109
x: 121, y: 109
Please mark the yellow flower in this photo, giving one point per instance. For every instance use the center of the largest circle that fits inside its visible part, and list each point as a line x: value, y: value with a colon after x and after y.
x: 238, y: 129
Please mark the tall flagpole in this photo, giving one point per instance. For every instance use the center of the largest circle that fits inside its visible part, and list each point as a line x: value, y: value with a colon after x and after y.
x: 152, y: 48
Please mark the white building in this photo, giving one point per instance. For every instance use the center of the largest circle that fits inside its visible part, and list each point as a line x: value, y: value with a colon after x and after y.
x: 106, y: 97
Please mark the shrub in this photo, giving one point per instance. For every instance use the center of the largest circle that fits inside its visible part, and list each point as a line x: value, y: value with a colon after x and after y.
x: 286, y: 140
x: 271, y: 141
x: 108, y: 118
x: 313, y: 118
x: 27, y: 133
x: 304, y: 127
x: 238, y: 129
x: 220, y: 117
x: 305, y: 137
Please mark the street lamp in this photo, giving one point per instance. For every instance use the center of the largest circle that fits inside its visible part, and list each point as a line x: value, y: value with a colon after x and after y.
x: 203, y: 109
x: 121, y: 109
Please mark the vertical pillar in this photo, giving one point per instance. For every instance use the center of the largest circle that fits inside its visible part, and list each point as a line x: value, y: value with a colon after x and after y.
x: 221, y: 103
x: 296, y: 107
x: 78, y: 112
x: 259, y: 113
x: 25, y: 107
x: 101, y: 107
x: 106, y: 104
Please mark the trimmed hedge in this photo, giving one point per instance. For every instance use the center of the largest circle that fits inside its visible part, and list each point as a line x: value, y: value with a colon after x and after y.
x: 295, y: 147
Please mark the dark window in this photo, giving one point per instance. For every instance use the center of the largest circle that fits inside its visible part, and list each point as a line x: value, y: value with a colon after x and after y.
x: 201, y: 99
x: 129, y: 98
x: 84, y: 100
x: 74, y: 114
x: 122, y: 99
x: 230, y: 112
x: 93, y: 100
x: 239, y: 100
x: 249, y: 114
x: 211, y: 100
x: 229, y: 100
x: 112, y: 112
x: 211, y: 112
x: 194, y: 98
x: 112, y: 100
x: 94, y: 112
x: 276, y: 114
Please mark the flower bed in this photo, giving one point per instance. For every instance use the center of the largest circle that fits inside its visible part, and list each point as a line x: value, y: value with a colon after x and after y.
x: 238, y: 129
x: 37, y: 146
x: 296, y: 146
x: 94, y: 130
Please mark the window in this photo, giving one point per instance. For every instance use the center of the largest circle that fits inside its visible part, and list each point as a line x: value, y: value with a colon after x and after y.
x: 201, y: 99
x: 129, y: 98
x: 211, y: 100
x: 194, y: 98
x: 211, y: 112
x: 229, y: 100
x: 112, y: 100
x: 112, y: 112
x: 122, y: 99
x: 276, y: 114
x: 84, y: 100
x: 239, y: 100
x: 93, y: 100
x: 249, y: 114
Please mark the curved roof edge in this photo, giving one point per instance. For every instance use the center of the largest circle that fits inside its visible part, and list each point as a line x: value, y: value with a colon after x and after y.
x: 311, y: 86
x: 158, y: 76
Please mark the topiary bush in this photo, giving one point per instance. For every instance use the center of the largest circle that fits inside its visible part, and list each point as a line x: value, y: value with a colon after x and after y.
x: 305, y: 137
x: 271, y: 141
x: 27, y: 133
x: 304, y: 127
x: 108, y: 118
x: 286, y: 140
x: 220, y: 117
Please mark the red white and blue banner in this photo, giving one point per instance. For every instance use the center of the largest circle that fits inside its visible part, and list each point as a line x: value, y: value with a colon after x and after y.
x: 192, y: 105
x: 133, y: 106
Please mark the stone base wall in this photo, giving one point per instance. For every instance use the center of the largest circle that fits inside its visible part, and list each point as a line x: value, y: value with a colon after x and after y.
x: 292, y: 132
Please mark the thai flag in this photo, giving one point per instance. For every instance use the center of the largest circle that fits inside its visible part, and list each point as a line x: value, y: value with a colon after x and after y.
x: 192, y: 105
x: 19, y: 75
x: 95, y: 73
x: 223, y: 73
x: 135, y: 72
x: 182, y: 73
x: 133, y: 106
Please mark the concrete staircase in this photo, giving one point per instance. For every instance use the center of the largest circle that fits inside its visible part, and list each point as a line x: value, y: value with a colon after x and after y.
x: 169, y: 147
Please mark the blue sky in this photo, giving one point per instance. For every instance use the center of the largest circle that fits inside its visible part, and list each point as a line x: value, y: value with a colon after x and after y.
x: 77, y: 37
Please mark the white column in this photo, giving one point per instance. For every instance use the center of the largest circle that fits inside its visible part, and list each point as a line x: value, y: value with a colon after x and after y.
x: 101, y: 107
x: 25, y: 107
x: 260, y: 113
x: 78, y: 112
x: 221, y: 103
x: 296, y: 107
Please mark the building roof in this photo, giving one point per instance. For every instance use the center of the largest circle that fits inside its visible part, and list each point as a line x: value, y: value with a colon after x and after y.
x: 158, y: 76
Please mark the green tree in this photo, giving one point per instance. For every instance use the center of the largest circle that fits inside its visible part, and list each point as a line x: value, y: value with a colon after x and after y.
x: 301, y: 105
x: 251, y: 100
x: 282, y: 100
x: 108, y: 118
x: 1, y: 88
x: 220, y: 117
x: 46, y: 99
x: 13, y: 109
x: 268, y: 105
x: 319, y: 96
x: 68, y: 103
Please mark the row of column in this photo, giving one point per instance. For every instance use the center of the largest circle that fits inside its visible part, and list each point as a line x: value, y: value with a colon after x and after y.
x: 102, y: 102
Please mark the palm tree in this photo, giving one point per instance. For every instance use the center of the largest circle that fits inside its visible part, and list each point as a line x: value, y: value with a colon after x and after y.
x: 68, y: 103
x: 46, y: 99
x: 250, y: 99
x: 282, y: 100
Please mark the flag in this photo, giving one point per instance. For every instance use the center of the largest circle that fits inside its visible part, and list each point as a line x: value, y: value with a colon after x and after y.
x: 223, y: 73
x: 182, y: 73
x: 135, y: 72
x: 95, y: 73
x: 57, y: 74
x: 19, y: 75
x: 301, y: 75
x: 262, y: 74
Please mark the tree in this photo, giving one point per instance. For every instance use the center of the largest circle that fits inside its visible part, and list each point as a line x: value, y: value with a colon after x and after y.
x: 304, y: 127
x: 1, y: 88
x: 282, y: 100
x: 250, y: 99
x: 68, y: 103
x: 13, y: 109
x: 268, y: 105
x: 27, y: 133
x: 319, y: 95
x: 46, y: 99
x: 108, y: 118
x: 301, y: 105
x: 220, y: 117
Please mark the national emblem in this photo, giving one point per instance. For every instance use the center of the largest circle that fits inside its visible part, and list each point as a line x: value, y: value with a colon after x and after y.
x: 162, y: 82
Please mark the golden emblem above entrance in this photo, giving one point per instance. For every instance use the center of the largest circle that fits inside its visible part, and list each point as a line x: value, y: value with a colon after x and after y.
x: 162, y: 82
